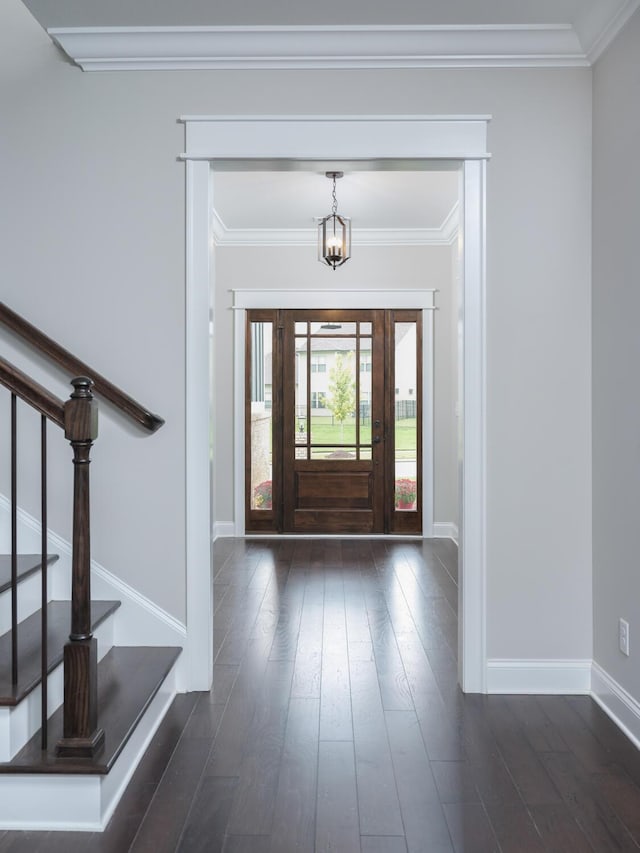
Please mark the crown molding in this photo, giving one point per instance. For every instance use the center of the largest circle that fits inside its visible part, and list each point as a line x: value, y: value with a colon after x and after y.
x: 601, y: 40
x: 319, y: 47
x: 238, y: 237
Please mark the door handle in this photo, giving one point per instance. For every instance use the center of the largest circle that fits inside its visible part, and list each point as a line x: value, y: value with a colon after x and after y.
x: 376, y: 439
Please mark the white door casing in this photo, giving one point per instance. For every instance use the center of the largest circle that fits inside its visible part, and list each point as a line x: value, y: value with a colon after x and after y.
x: 338, y: 138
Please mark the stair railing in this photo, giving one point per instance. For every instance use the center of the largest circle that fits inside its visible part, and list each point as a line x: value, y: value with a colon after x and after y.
x: 79, y: 419
x: 78, y: 416
x: 75, y: 367
x: 50, y: 408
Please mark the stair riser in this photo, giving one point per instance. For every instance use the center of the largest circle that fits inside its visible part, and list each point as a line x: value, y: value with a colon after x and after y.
x: 18, y: 724
x: 29, y: 600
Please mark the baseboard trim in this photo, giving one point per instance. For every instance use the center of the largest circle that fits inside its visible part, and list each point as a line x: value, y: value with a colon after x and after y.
x: 224, y: 530
x: 539, y: 676
x: 616, y: 702
x: 441, y: 530
x: 445, y: 530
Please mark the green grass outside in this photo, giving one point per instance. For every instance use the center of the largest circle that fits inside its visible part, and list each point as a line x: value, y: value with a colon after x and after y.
x: 406, y: 439
x: 324, y: 432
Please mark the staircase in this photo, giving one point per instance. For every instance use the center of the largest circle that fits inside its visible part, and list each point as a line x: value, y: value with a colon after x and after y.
x: 77, y: 708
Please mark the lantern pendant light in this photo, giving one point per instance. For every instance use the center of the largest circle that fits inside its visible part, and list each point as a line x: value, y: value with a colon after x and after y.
x: 334, y: 232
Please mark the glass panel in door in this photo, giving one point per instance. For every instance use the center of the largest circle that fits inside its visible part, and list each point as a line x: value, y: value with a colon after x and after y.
x: 260, y: 482
x: 404, y: 410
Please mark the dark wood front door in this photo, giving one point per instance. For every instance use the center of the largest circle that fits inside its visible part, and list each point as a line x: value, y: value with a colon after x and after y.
x: 324, y: 387
x: 333, y: 451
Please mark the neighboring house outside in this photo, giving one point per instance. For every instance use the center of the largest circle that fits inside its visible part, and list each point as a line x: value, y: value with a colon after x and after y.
x: 324, y: 358
x: 326, y: 355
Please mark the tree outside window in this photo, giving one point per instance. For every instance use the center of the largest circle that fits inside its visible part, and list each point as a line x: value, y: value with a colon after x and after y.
x: 341, y: 400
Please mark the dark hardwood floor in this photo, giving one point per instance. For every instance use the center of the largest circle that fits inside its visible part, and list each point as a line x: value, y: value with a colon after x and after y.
x: 335, y: 724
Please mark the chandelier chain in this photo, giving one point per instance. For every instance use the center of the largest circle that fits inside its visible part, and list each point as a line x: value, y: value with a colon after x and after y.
x: 334, y: 206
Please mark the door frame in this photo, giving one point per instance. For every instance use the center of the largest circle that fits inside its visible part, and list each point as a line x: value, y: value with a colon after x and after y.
x: 423, y: 300
x: 445, y: 138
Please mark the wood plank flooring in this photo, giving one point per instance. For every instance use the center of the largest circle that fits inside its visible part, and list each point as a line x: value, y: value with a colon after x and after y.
x: 335, y: 723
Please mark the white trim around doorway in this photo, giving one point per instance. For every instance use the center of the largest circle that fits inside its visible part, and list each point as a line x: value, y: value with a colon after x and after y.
x: 460, y: 139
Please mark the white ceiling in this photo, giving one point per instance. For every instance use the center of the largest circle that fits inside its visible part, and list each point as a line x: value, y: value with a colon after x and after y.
x: 266, y: 207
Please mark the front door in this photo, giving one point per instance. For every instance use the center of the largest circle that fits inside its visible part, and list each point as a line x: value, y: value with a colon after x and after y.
x: 333, y: 411
x: 333, y: 387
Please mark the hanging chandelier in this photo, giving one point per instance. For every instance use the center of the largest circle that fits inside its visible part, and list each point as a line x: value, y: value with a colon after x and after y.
x: 334, y: 232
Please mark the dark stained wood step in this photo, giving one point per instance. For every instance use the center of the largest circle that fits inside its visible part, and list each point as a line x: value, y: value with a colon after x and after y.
x: 128, y: 679
x: 29, y: 656
x: 28, y: 564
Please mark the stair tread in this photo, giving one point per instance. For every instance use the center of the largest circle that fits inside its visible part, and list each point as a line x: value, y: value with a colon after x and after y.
x: 128, y: 679
x: 29, y: 655
x: 27, y: 565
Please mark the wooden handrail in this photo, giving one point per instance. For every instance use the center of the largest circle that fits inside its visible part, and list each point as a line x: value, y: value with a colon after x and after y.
x: 31, y: 392
x: 68, y: 362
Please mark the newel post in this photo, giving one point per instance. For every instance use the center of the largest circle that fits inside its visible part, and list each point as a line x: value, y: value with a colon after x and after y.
x: 81, y: 736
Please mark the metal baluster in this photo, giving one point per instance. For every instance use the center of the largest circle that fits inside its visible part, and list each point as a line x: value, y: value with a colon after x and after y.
x: 44, y: 557
x: 358, y: 394
x: 14, y: 545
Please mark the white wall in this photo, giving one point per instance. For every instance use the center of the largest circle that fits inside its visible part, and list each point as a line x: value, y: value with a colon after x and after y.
x: 616, y: 355
x: 369, y: 268
x: 446, y: 392
x: 92, y: 252
x: 538, y: 354
x: 455, y: 452
x: 93, y: 229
